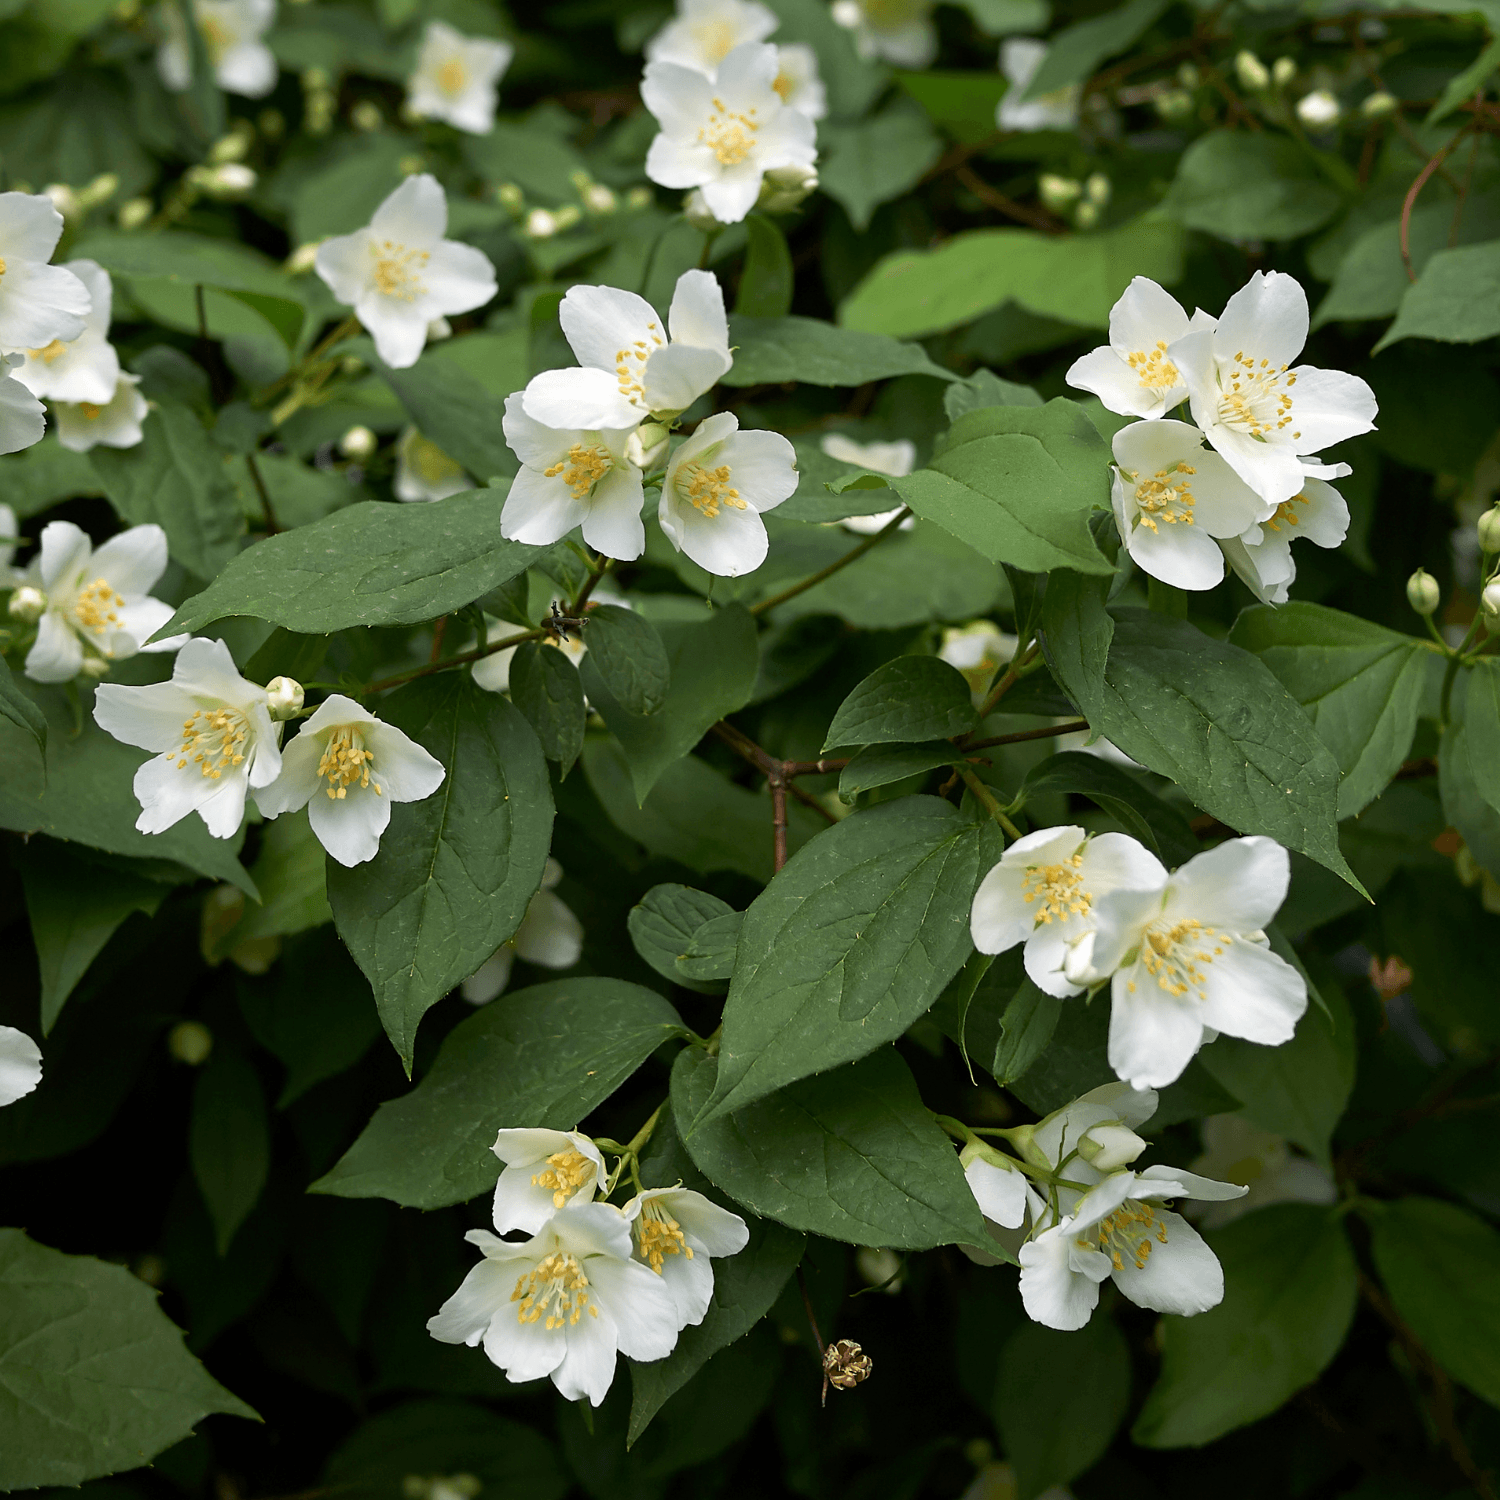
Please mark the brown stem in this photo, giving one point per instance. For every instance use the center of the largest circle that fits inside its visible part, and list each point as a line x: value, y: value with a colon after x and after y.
x: 812, y: 1322
x: 258, y: 480
x: 1073, y: 726
x: 437, y: 638
x: 839, y: 563
x: 1411, y: 196
x: 814, y: 767
x: 590, y: 584
x: 455, y: 661
x: 993, y: 198
x: 778, y: 822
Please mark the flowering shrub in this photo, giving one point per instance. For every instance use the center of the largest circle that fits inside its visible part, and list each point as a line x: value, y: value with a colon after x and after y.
x: 749, y: 749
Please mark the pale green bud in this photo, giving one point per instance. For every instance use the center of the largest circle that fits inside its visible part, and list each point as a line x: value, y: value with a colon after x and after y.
x: 1489, y: 601
x: 784, y: 188
x: 366, y: 116
x: 1086, y: 215
x: 1422, y: 592
x: 1379, y: 105
x: 190, y: 1042
x: 134, y: 212
x: 283, y: 697
x: 647, y: 445
x: 94, y: 666
x: 1283, y: 70
x: 1189, y: 76
x: 1319, y: 109
x: 1489, y: 529
x: 1251, y: 71
x: 1098, y: 188
x: 231, y: 147
x: 1058, y: 193
x: 510, y: 197
x: 28, y: 604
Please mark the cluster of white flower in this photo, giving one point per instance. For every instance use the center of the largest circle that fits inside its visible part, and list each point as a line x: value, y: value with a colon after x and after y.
x: 1185, y: 953
x: 736, y: 112
x: 593, y: 1280
x: 231, y: 32
x: 586, y: 435
x: 1089, y: 1216
x: 1182, y: 509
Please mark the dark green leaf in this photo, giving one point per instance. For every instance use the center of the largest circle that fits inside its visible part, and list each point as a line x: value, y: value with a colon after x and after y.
x: 662, y: 925
x: 1078, y: 49
x: 876, y: 160
x: 985, y: 388
x: 229, y: 1141
x: 711, y: 949
x: 544, y: 685
x: 766, y: 279
x: 879, y: 765
x: 287, y: 654
x: 909, y: 698
x: 1144, y: 815
x: 22, y: 712
x: 628, y: 654
x: 1464, y: 805
x: 289, y: 873
x: 1026, y: 1027
x: 1482, y: 728
x: 770, y: 350
x: 1250, y: 185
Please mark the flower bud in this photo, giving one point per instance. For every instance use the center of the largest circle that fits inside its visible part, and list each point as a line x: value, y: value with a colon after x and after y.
x: 1078, y: 960
x: 639, y: 197
x: 302, y: 259
x: 1110, y: 1147
x: 1086, y: 215
x: 1174, y: 106
x: 1283, y: 70
x: 94, y: 666
x: 230, y: 179
x: 1098, y: 188
x: 510, y: 197
x: 411, y: 165
x: 190, y: 1042
x: 231, y: 147
x: 283, y: 697
x: 1489, y: 529
x: 567, y: 216
x: 28, y: 604
x: 1251, y: 71
x: 1189, y: 76
x: 539, y: 224
x: 1058, y: 193
x: 599, y: 199
x: 100, y: 190
x: 134, y: 212
x: 366, y: 116
x: 358, y: 443
x: 1422, y: 592
x: 1489, y: 602
x: 1379, y: 105
x: 699, y: 214
x: 438, y: 330
x: 64, y: 199
x: 784, y: 188
x: 647, y: 445
x: 1319, y: 109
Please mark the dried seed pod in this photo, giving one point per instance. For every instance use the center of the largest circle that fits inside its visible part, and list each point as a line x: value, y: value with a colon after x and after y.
x: 846, y: 1364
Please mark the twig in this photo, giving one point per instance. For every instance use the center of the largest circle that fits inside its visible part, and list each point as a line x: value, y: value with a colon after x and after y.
x: 590, y: 584
x: 778, y: 822
x: 992, y: 198
x: 809, y: 801
x: 437, y: 638
x: 839, y: 563
x: 987, y: 800
x: 1018, y: 664
x: 256, y: 478
x: 455, y: 661
x: 812, y: 1321
x: 1411, y: 196
x: 1073, y: 726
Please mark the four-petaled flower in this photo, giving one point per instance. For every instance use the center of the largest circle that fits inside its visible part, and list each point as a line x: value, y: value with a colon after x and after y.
x: 1133, y: 374
x: 895, y: 31
x: 456, y: 77
x: 82, y: 425
x: 676, y: 1231
x: 231, y: 32
x: 704, y: 32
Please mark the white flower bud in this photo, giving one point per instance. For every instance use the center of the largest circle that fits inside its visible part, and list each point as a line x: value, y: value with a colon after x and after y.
x: 283, y: 697
x: 1078, y: 961
x: 190, y: 1042
x: 1110, y: 1147
x: 1318, y: 109
x: 639, y: 197
x: 1251, y: 71
x: 647, y: 445
x: 64, y: 199
x: 230, y: 179
x: 100, y: 190
x: 1379, y: 105
x: 302, y: 259
x: 510, y: 197
x: 699, y: 214
x: 567, y: 216
x: 231, y: 147
x: 366, y: 116
x: 1097, y: 189
x: 94, y: 666
x: 1422, y: 592
x: 134, y: 212
x: 1489, y: 601
x: 539, y: 224
x: 438, y: 330
x: 1283, y: 70
x: 1174, y: 106
x: 1489, y: 529
x: 28, y: 604
x: 1189, y: 76
x: 1086, y: 215
x: 784, y: 188
x: 1058, y: 193
x: 358, y: 443
x: 599, y: 199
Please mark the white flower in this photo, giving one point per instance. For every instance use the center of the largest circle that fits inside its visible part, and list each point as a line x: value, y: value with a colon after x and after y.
x: 1020, y: 57
x: 704, y: 32
x: 38, y: 302
x: 1191, y: 959
x: 798, y: 83
x: 1260, y: 413
x: 400, y: 273
x: 998, y: 1185
x: 117, y: 424
x: 1046, y: 892
x: 978, y: 650
x: 572, y: 477
x: 98, y: 602
x: 213, y: 736
x: 1132, y: 374
x: 1319, y: 109
x: 545, y: 1171
x: 1262, y: 554
x: 20, y: 1065
x: 424, y: 471
x: 232, y: 32
x: 82, y: 369
x: 562, y: 1304
x: 23, y: 419
x: 492, y: 672
x: 676, y: 1231
x: 549, y: 935
x: 896, y: 31
x: 723, y: 134
x: 1263, y: 1163
x: 346, y: 768
x: 630, y: 370
x: 1172, y: 497
x: 897, y: 459
x: 717, y: 485
x: 1093, y: 1135
x: 456, y: 78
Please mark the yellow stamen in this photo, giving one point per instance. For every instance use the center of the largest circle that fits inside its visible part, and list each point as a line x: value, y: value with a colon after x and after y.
x: 1177, y: 955
x: 452, y: 76
x: 213, y: 740
x: 565, y: 1173
x: 1059, y: 888
x: 708, y: 490
x: 556, y: 1289
x: 397, y: 271
x: 1128, y: 1231
x: 97, y: 605
x: 1153, y: 369
x: 49, y: 352
x: 1165, y: 497
x: 1258, y: 400
x: 660, y: 1235
x: 346, y: 761
x: 583, y: 468
x: 730, y: 134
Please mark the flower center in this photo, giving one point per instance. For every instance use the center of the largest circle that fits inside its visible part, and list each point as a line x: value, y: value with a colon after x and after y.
x: 213, y: 740
x: 583, y: 468
x: 397, y: 271
x: 217, y: 37
x: 2, y: 265
x: 452, y: 76
x: 716, y: 39
x: 555, y: 1289
x: 1166, y: 497
x: 636, y: 355
x: 1059, y: 889
x: 1258, y: 401
x: 346, y: 761
x: 89, y: 410
x: 1176, y: 956
x: 52, y: 350
x: 729, y: 134
x: 96, y: 605
x: 565, y: 1173
x: 1127, y: 1231
x: 783, y: 86
x: 1285, y: 512
x: 661, y: 1235
x: 708, y: 490
x: 1153, y: 369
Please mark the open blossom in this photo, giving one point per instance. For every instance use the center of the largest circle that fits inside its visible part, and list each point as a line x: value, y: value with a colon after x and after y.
x: 716, y: 488
x: 572, y: 477
x: 1020, y: 58
x: 563, y: 1304
x: 399, y: 274
x: 978, y: 650
x: 1045, y: 892
x: 1262, y: 554
x: 895, y: 31
x: 424, y: 471
x: 23, y: 419
x: 722, y: 135
x: 629, y: 367
x: 544, y: 1171
x: 798, y: 82
x: 98, y: 600
x: 38, y: 302
x: 212, y: 735
x: 456, y: 78
x: 704, y: 32
x: 1173, y: 497
x: 1263, y: 1163
x: 346, y: 768
x: 549, y: 936
x: 82, y: 425
x: 20, y: 1065
x: 85, y: 368
x: 1260, y: 412
x: 232, y: 32
x: 676, y: 1231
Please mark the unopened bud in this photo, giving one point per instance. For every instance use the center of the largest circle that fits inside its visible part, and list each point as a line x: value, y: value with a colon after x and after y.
x: 438, y: 330
x: 599, y: 199
x: 134, y: 212
x: 28, y: 604
x: 1489, y: 601
x: 190, y: 1042
x: 64, y: 199
x: 539, y: 224
x: 1058, y: 193
x: 1283, y: 70
x: 1379, y: 105
x: 639, y: 197
x: 510, y: 197
x: 1189, y: 76
x: 1251, y: 71
x: 646, y: 445
x: 784, y: 188
x: 302, y: 260
x: 1319, y: 109
x: 231, y: 147
x: 1078, y: 960
x: 283, y: 697
x: 100, y: 190
x: 366, y: 116
x: 411, y: 165
x: 696, y: 211
x: 230, y: 179
x: 1489, y: 529
x: 358, y: 443
x: 94, y: 666
x: 1107, y: 1148
x: 1097, y: 189
x: 1086, y: 215
x: 1174, y: 106
x: 1422, y: 592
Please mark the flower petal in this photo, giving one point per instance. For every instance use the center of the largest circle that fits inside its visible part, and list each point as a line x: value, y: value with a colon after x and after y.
x: 1152, y: 1034
x: 1253, y: 993
x: 1052, y: 1293
x: 1181, y: 1275
x: 585, y: 398
x: 999, y: 1192
x: 1237, y: 886
x: 414, y: 214
x: 349, y: 827
x: 20, y: 1065
x: 641, y: 1307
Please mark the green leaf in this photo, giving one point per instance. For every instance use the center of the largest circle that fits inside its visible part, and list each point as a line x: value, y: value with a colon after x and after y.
x: 985, y: 388
x: 1465, y: 85
x: 963, y: 104
x: 1360, y: 684
x: 202, y: 103
x: 1027, y: 1025
x: 1076, y: 278
x: 1250, y: 185
x: 850, y: 943
x: 1068, y: 1062
x: 768, y: 351
x: 880, y: 765
x: 662, y: 926
x: 766, y: 280
x: 74, y: 908
x: 544, y: 685
x: 1078, y: 49
x: 852, y: 1155
x: 370, y: 564
x: 876, y: 160
x: 93, y: 1376
x: 1142, y: 813
x: 627, y: 653
x: 544, y: 1056
x: 290, y: 874
x: 1464, y: 805
x: 908, y: 698
x: 1437, y: 1262
x: 1482, y: 728
x: 711, y: 951
x: 1059, y: 1400
x: 1455, y: 300
x: 456, y: 871
x: 712, y: 665
x: 22, y: 712
x: 38, y: 477
x: 1289, y: 1295
x: 229, y: 1141
x: 175, y: 476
